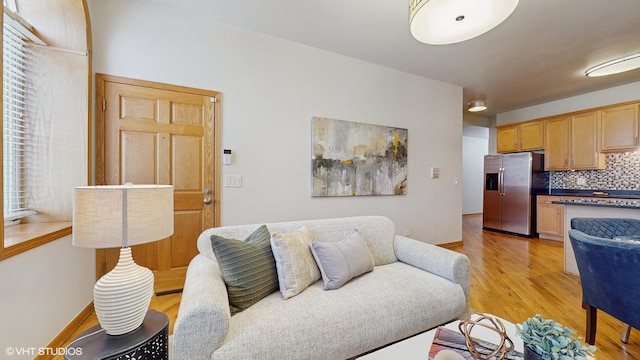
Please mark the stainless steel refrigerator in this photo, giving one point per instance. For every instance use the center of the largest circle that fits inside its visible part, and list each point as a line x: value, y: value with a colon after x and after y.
x: 511, y: 183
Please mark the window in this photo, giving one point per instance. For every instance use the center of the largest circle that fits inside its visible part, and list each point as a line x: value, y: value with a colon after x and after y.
x: 16, y: 123
x: 46, y: 150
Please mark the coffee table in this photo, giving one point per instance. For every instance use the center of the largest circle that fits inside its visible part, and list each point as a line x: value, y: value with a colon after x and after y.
x: 417, y: 347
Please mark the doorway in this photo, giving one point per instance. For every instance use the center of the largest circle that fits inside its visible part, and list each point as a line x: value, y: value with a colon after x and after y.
x: 153, y: 133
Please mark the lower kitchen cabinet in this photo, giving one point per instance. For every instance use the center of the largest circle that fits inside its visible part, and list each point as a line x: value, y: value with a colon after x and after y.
x: 550, y: 217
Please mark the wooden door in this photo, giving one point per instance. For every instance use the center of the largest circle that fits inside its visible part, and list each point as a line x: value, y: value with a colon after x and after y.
x: 150, y: 133
x: 557, y: 144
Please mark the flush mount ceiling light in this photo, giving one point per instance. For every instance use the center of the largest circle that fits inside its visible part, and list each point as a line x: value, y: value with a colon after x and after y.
x: 440, y: 22
x: 477, y: 105
x: 615, y: 66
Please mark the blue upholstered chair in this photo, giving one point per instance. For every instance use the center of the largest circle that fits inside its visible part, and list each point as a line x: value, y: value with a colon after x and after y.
x: 609, y: 270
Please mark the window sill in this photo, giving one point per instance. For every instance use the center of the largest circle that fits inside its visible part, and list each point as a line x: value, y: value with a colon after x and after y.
x: 23, y: 237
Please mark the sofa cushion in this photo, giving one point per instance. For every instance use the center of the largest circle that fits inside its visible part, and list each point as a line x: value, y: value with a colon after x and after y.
x: 248, y: 267
x: 341, y: 262
x: 295, y: 264
x: 392, y: 302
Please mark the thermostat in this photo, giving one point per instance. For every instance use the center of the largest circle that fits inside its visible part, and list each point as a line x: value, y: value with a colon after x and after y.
x: 226, y: 157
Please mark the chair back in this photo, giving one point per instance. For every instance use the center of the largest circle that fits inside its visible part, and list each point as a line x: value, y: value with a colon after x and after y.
x: 606, y: 227
x: 609, y: 269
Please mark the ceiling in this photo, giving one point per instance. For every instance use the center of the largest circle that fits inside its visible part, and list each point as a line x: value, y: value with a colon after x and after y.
x: 538, y: 54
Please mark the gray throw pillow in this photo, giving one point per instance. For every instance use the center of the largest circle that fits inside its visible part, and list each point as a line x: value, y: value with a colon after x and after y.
x: 248, y: 268
x: 341, y: 262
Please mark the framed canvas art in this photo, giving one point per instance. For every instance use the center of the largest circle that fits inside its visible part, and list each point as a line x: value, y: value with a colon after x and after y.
x: 354, y: 159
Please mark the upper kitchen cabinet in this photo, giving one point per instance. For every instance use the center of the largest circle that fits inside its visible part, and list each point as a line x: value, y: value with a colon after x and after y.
x: 619, y: 128
x: 507, y: 138
x: 557, y: 150
x: 527, y: 136
x: 585, y: 154
x: 571, y: 143
x: 531, y: 135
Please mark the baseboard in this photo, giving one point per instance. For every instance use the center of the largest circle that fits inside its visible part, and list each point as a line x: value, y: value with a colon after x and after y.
x: 451, y: 244
x: 65, y: 335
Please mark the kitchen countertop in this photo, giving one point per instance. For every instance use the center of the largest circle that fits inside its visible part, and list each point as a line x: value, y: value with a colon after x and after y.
x: 624, y: 199
x: 623, y: 194
x: 603, y: 202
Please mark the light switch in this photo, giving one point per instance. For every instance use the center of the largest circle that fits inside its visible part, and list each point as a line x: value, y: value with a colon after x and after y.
x: 435, y: 172
x: 233, y: 181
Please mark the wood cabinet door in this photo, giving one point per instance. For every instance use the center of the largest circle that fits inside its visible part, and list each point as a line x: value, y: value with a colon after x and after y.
x: 507, y: 139
x: 531, y: 136
x: 557, y: 144
x: 585, y: 154
x: 550, y: 217
x: 619, y: 128
x: 162, y: 134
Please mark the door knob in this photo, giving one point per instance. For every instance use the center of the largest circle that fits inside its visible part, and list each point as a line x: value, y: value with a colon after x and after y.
x: 207, y: 198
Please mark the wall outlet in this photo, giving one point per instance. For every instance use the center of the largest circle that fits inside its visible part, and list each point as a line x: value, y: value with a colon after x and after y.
x: 581, y: 181
x: 407, y: 233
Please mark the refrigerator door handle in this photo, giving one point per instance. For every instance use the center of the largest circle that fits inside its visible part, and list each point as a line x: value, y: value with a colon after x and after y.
x: 501, y: 181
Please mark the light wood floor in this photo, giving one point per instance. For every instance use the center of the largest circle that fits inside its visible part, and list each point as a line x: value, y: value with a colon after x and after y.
x: 512, y: 277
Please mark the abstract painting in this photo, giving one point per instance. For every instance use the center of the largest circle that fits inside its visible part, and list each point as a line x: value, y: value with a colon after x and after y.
x: 353, y: 159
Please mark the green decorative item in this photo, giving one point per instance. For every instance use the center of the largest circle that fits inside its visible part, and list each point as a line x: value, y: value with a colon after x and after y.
x: 551, y: 340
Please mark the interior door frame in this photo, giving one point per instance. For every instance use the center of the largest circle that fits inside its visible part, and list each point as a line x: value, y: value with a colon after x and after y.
x: 101, y: 79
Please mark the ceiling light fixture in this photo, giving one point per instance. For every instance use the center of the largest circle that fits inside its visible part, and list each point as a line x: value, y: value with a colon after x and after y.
x: 440, y: 22
x: 477, y: 105
x: 615, y: 66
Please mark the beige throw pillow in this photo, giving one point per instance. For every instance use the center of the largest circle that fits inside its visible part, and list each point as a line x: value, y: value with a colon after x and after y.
x: 296, y: 267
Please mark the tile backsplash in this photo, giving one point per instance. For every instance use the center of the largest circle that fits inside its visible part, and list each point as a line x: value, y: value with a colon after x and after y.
x: 622, y: 173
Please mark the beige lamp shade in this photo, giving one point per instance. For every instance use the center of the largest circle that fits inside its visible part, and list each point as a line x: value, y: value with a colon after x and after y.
x: 121, y: 215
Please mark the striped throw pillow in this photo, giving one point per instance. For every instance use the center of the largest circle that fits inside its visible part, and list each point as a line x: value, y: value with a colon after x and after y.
x: 248, y: 268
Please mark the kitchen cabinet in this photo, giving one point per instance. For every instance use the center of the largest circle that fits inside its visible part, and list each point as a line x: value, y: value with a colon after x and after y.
x: 531, y: 135
x: 527, y: 136
x: 571, y: 143
x: 557, y: 149
x: 550, y: 217
x: 619, y: 128
x: 585, y: 154
x: 507, y: 139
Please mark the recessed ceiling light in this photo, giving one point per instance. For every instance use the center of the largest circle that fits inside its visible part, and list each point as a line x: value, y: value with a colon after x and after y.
x: 477, y: 105
x: 440, y: 22
x: 615, y: 66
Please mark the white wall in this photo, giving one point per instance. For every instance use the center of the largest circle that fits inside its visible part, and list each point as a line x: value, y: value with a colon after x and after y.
x: 614, y: 95
x: 43, y: 289
x: 475, y: 145
x: 271, y: 89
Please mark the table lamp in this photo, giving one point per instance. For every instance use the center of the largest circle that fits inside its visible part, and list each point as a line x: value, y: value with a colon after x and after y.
x: 122, y: 216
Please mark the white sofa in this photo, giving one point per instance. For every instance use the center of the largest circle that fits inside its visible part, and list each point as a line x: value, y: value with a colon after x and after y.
x: 414, y: 287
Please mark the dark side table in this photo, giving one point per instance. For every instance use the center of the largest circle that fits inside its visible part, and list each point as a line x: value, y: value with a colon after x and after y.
x: 149, y: 341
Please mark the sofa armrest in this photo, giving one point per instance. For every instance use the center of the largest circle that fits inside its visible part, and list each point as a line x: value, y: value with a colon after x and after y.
x: 437, y: 260
x: 203, y: 318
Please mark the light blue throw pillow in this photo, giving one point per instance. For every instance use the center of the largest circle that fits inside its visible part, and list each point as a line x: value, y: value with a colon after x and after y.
x: 341, y: 262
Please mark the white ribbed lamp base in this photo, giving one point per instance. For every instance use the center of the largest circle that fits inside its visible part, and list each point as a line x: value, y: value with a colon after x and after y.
x: 121, y: 298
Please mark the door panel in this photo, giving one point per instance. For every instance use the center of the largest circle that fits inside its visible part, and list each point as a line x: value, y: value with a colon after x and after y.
x: 516, y: 206
x: 491, y: 196
x: 161, y: 134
